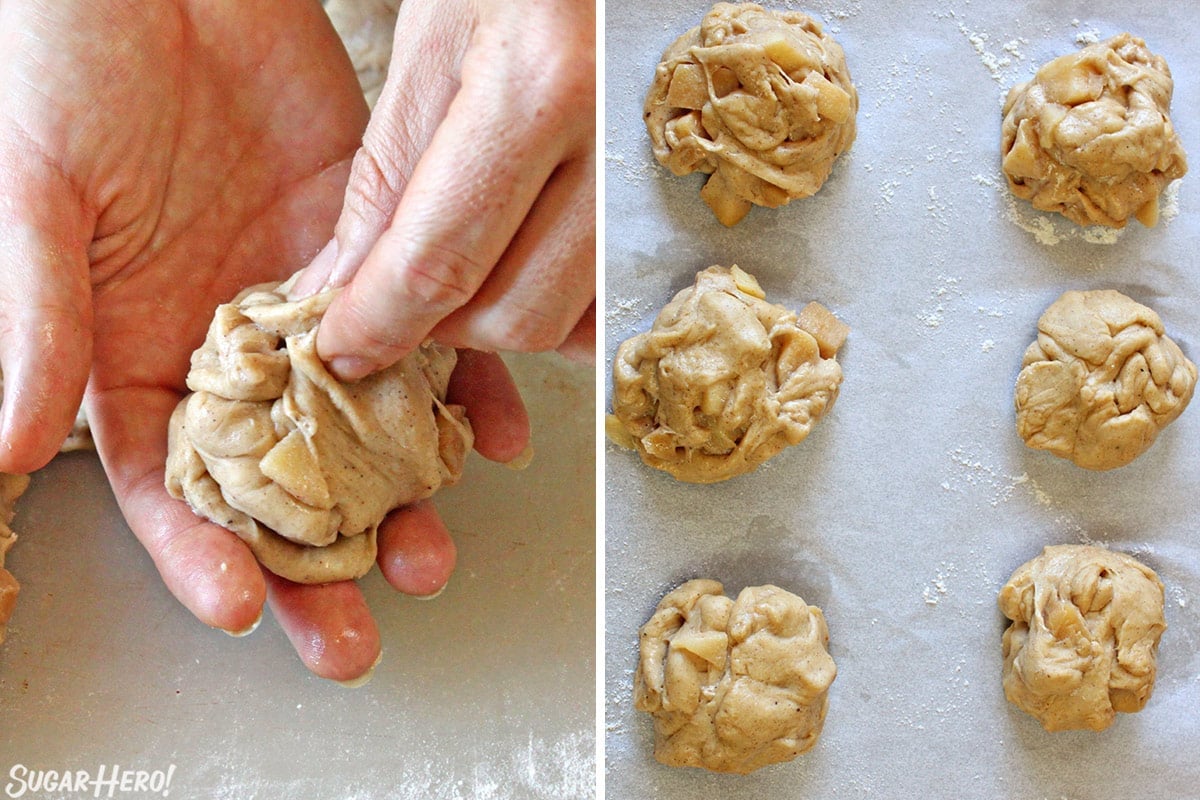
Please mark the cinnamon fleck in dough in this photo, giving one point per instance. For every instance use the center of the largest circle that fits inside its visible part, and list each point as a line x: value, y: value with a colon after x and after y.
x: 724, y: 380
x: 1090, y: 136
x: 1084, y: 636
x: 301, y: 466
x: 1101, y: 380
x: 733, y: 685
x: 761, y: 100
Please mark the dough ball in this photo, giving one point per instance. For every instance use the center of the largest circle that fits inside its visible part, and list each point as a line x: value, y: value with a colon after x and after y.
x: 1084, y: 636
x: 761, y: 100
x: 11, y: 488
x: 733, y: 685
x: 1101, y: 380
x: 724, y: 380
x: 301, y: 466
x: 1089, y: 136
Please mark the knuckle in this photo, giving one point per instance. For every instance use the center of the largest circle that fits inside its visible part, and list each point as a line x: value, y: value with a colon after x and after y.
x: 526, y: 330
x: 445, y: 277
x: 374, y: 336
x: 376, y: 182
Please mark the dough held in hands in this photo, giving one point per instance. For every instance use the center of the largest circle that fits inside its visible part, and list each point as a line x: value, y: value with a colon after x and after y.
x: 733, y: 685
x: 724, y: 380
x: 1090, y: 136
x: 1084, y: 636
x: 1101, y: 380
x: 301, y: 466
x: 761, y: 100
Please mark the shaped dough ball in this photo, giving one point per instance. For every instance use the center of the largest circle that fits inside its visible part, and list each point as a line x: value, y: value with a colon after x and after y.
x: 733, y: 685
x: 301, y: 466
x: 1101, y: 380
x: 1084, y: 636
x: 1089, y: 136
x: 724, y: 380
x: 761, y: 100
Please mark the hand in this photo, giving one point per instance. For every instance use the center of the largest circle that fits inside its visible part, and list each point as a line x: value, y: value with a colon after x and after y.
x: 470, y: 215
x: 154, y: 159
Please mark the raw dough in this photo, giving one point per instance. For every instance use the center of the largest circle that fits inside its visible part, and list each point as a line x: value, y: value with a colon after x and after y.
x: 760, y: 99
x: 11, y: 488
x: 1084, y: 636
x: 367, y: 28
x: 1089, y: 136
x: 724, y: 380
x: 733, y: 685
x: 303, y: 467
x: 1101, y: 380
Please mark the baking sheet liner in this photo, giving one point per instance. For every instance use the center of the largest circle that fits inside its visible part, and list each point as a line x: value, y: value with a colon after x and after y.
x: 912, y: 502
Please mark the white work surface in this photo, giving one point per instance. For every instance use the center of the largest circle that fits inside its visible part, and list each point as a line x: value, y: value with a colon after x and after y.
x: 913, y: 500
x: 486, y: 691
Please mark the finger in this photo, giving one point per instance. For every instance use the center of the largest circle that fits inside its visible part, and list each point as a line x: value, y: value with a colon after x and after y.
x: 546, y: 279
x: 483, y: 385
x: 580, y: 344
x: 423, y: 79
x: 45, y: 308
x: 329, y: 625
x: 204, y: 565
x: 416, y: 553
x: 466, y: 199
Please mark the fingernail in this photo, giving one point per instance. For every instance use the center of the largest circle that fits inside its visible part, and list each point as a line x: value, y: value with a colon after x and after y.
x: 363, y: 679
x: 349, y: 369
x: 522, y: 460
x: 246, y: 631
x: 432, y: 595
x: 315, y: 276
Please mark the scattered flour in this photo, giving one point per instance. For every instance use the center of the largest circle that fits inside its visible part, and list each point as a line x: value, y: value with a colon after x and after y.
x: 1003, y: 66
x: 1047, y: 229
x: 940, y: 296
x: 974, y: 473
x: 624, y: 312
x: 936, y: 588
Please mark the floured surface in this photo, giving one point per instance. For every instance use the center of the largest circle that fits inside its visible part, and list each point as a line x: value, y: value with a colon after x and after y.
x: 463, y: 705
x: 912, y: 502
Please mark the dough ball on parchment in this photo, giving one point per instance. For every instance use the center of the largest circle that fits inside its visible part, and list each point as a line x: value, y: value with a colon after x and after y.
x: 1101, y: 380
x: 302, y: 467
x: 1090, y: 136
x: 761, y: 100
x: 724, y: 380
x: 733, y: 685
x: 1084, y: 636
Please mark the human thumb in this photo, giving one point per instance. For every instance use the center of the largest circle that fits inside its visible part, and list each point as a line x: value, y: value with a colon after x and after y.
x: 45, y: 310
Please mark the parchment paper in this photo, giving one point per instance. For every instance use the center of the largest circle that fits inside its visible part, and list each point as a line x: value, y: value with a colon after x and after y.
x: 913, y: 500
x: 485, y: 692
